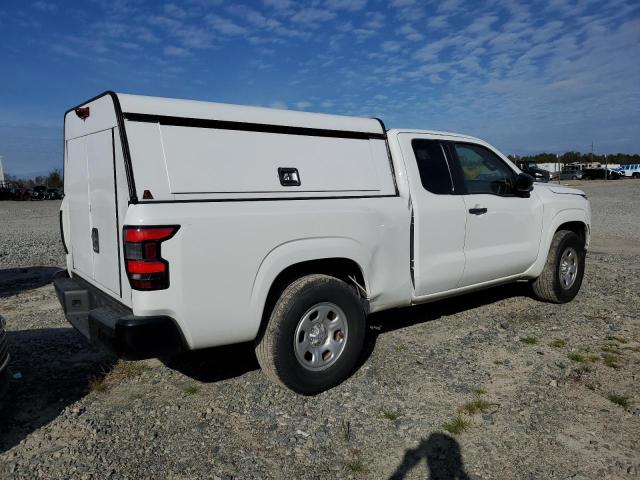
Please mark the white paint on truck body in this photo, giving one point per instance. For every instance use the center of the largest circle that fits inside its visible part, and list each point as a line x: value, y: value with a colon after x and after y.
x: 212, y: 169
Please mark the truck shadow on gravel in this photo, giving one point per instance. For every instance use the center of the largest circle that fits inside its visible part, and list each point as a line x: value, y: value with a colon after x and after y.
x: 49, y: 370
x: 390, y: 320
x: 17, y: 280
x: 216, y: 364
x: 222, y: 363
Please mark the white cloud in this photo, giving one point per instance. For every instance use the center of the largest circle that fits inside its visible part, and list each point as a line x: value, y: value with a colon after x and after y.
x: 174, y: 51
x: 439, y: 21
x: 449, y: 5
x: 349, y: 5
x: 312, y: 16
x: 482, y: 24
x: 278, y: 104
x: 402, y: 3
x: 194, y: 37
x: 64, y: 50
x: 374, y: 20
x: 303, y: 105
x: 254, y: 17
x: 391, y: 46
x: 279, y: 4
x: 224, y: 25
x: 45, y: 6
x: 410, y: 33
x: 172, y: 10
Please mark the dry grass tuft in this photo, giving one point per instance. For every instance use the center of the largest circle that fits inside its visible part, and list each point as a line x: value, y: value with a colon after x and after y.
x: 619, y: 400
x: 456, y: 425
x: 120, y: 372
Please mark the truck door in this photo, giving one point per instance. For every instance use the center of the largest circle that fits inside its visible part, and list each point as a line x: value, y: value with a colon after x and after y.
x: 503, y: 229
x: 91, y: 199
x: 439, y: 216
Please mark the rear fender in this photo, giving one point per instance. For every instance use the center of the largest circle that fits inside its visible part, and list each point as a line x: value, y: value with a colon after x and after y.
x: 298, y: 251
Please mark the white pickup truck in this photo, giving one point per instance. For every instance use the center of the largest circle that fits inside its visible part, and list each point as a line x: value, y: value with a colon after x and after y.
x: 192, y: 224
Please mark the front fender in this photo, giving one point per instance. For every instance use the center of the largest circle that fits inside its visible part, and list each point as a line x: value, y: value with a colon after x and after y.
x: 561, y: 217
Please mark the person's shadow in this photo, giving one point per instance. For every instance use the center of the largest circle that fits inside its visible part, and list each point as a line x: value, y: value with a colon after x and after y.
x: 442, y: 456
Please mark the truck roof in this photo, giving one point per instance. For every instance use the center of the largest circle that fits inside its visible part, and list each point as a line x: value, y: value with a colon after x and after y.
x: 438, y: 133
x: 170, y: 107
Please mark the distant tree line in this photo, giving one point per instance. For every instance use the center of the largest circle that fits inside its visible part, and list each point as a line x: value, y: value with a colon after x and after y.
x: 52, y: 180
x: 577, y: 157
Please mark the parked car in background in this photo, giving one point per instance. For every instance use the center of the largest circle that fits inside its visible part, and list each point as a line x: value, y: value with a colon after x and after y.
x: 571, y: 175
x: 7, y: 191
x: 54, y: 194
x: 631, y: 170
x: 600, y: 173
x: 289, y: 228
x: 538, y: 174
x: 39, y: 192
x: 21, y: 194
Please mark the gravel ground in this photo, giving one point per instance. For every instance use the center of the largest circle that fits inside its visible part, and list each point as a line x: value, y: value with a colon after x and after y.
x: 535, y: 380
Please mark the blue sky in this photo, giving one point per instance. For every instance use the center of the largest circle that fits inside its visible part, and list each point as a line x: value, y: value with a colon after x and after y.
x: 543, y: 76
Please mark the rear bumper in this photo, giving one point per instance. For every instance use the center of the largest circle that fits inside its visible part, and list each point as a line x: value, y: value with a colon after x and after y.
x: 112, y: 326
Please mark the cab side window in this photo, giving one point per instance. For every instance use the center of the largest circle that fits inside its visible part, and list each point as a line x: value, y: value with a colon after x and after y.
x: 433, y: 167
x: 483, y: 171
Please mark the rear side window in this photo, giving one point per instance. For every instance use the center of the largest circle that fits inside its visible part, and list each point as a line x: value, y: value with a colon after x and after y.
x: 484, y: 171
x: 432, y: 164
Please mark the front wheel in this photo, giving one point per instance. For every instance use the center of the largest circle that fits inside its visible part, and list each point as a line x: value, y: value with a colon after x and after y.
x: 314, y: 335
x: 562, y: 276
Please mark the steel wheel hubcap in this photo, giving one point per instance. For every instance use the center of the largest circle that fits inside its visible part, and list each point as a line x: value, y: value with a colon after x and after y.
x: 568, y: 268
x: 321, y: 336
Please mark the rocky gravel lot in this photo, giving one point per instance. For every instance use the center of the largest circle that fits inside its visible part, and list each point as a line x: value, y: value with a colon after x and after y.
x: 493, y: 385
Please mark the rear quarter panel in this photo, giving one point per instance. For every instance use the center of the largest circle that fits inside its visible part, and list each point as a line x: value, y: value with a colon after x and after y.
x: 226, y: 255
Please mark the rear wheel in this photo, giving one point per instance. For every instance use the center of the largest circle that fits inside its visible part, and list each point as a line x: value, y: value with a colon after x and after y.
x: 635, y: 175
x: 314, y: 336
x: 562, y: 276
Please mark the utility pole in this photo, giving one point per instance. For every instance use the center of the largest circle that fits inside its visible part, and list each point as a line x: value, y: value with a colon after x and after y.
x: 558, y: 166
x: 606, y: 167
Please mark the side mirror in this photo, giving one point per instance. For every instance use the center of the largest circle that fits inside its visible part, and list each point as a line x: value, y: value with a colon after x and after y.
x: 524, y: 184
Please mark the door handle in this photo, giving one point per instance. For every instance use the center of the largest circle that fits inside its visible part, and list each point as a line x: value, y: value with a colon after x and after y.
x: 95, y: 240
x: 477, y: 211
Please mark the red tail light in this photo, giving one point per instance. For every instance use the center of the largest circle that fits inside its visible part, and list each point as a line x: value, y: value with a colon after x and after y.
x: 146, y: 268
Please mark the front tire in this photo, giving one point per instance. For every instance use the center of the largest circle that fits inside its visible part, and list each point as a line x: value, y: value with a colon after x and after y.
x: 314, y: 336
x: 562, y: 276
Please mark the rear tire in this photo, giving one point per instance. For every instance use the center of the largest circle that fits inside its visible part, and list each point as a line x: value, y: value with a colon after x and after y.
x: 635, y: 175
x: 314, y: 336
x: 563, y: 272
